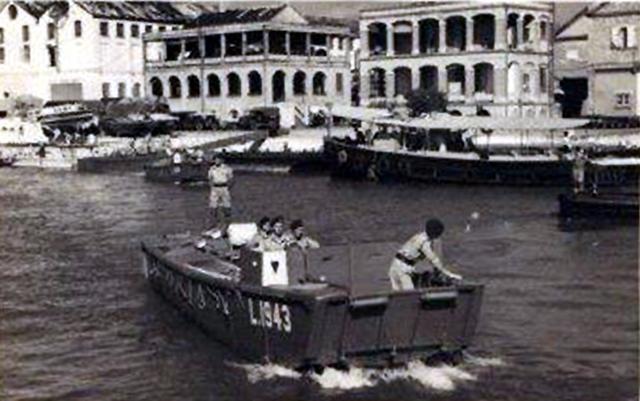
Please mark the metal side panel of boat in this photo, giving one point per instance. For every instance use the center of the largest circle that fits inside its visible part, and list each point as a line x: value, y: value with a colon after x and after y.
x: 310, y: 325
x: 356, y: 161
x: 259, y: 324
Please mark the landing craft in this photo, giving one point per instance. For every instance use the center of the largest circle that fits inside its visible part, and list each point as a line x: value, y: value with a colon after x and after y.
x: 316, y: 309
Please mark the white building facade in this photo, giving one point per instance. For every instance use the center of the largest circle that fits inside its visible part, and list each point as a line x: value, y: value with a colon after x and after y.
x: 76, y: 50
x: 235, y: 60
x: 494, y: 57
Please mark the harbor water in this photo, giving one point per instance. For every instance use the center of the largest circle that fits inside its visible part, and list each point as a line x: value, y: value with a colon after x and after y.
x: 79, y: 322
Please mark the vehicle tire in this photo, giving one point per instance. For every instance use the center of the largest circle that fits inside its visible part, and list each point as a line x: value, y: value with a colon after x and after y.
x: 199, y: 125
x: 343, y: 157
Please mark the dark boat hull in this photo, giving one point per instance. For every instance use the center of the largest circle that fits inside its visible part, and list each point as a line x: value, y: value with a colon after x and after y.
x: 351, y: 160
x: 620, y: 205
x: 326, y: 327
x: 197, y: 172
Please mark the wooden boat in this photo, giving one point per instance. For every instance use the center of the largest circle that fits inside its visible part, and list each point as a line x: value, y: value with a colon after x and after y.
x: 522, y: 166
x: 276, y: 307
x: 194, y: 171
x: 609, y: 204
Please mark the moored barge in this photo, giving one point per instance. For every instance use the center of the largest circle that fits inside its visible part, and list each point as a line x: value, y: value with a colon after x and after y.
x: 448, y: 149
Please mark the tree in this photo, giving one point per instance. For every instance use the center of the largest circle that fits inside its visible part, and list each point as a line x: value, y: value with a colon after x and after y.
x: 421, y: 101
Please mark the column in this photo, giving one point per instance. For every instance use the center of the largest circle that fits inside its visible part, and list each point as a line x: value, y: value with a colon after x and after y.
x: 201, y: 46
x: 501, y: 32
x: 182, y: 50
x: 469, y: 83
x: 442, y: 79
x: 265, y: 42
x: 328, y: 44
x: 365, y: 87
x: 288, y: 87
x: 223, y: 46
x: 500, y: 84
x: 244, y: 44
x: 534, y: 77
x: 390, y: 47
x: 364, y: 43
x: 469, y: 33
x: 520, y: 29
x: 442, y: 40
x: 415, y: 78
x: 347, y: 49
x: 287, y: 43
x: 389, y: 85
x: 415, y: 36
x: 307, y: 39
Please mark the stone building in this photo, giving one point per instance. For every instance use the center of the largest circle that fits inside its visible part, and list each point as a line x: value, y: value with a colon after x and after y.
x: 597, y: 62
x: 487, y: 57
x: 77, y: 50
x: 230, y: 61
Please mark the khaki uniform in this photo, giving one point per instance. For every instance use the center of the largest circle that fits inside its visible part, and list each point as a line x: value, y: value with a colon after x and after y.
x: 303, y: 243
x: 417, y: 248
x: 262, y: 242
x: 220, y: 178
x: 279, y: 242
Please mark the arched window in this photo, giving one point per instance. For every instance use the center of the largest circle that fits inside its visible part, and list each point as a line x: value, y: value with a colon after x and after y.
x: 300, y: 83
x: 484, y: 31
x: 13, y: 12
x: 319, y: 84
x: 277, y: 85
x: 135, y: 91
x: 402, y: 81
x: 255, y: 83
x: 156, y: 87
x: 377, y: 38
x: 429, y: 78
x: 77, y: 28
x: 402, y: 37
x: 377, y: 83
x: 456, y: 80
x: 456, y: 30
x: 175, y: 88
x: 193, y: 84
x: 234, y: 84
x: 527, y: 25
x: 514, y: 81
x: 429, y: 35
x: 483, y: 78
x: 213, y: 83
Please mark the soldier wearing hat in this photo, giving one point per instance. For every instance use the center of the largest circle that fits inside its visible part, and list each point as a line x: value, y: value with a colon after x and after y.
x: 220, y: 179
x: 422, y: 246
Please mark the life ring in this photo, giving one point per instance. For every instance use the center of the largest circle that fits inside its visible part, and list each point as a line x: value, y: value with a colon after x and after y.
x: 343, y: 156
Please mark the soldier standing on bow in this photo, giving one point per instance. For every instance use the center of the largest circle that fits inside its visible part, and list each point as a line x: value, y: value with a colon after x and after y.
x: 220, y: 179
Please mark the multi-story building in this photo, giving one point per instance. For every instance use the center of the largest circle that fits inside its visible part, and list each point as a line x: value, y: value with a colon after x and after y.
x: 597, y: 61
x: 489, y: 57
x: 77, y: 50
x: 234, y: 60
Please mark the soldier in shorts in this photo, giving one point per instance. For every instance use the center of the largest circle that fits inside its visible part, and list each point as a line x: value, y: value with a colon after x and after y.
x: 220, y: 179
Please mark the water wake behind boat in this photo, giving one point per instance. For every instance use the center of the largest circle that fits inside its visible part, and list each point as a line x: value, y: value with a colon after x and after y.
x: 440, y: 378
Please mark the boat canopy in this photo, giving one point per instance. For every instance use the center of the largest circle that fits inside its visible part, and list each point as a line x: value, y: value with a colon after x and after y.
x: 481, y: 122
x: 359, y: 113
